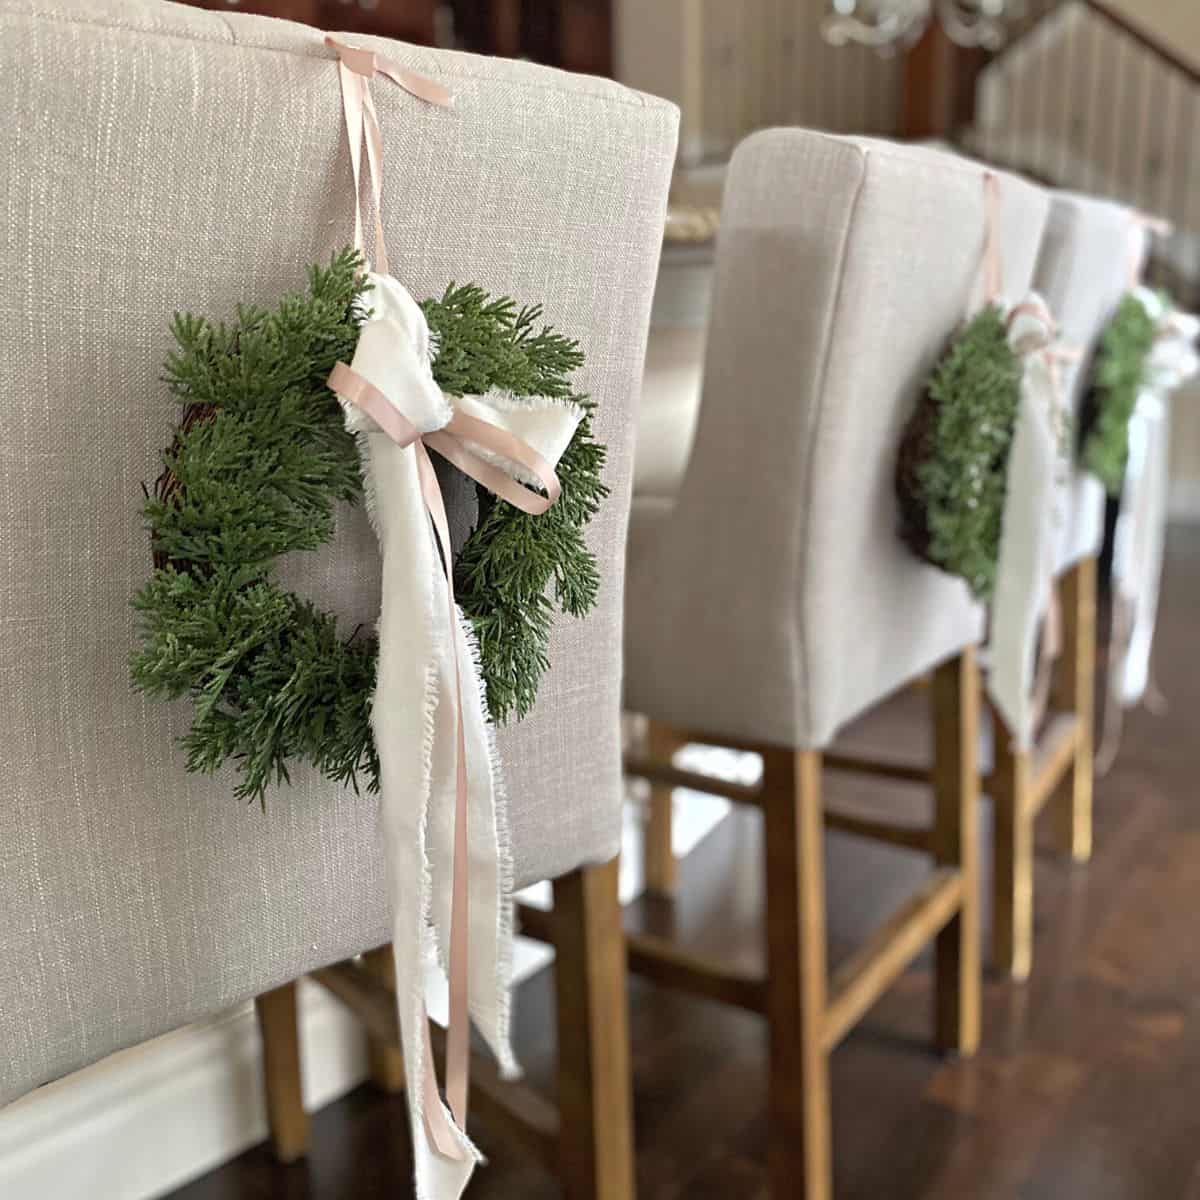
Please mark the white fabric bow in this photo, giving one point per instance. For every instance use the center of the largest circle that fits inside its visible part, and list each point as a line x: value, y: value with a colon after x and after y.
x: 1032, y: 514
x: 429, y: 718
x: 1141, y: 525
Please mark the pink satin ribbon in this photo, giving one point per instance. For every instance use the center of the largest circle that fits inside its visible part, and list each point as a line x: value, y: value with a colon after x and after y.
x: 454, y: 441
x: 356, y: 68
x: 457, y: 442
x: 993, y: 268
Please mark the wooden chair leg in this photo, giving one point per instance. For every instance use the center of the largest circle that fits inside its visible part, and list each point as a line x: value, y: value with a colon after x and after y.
x: 594, y: 1087
x: 1073, y: 692
x: 281, y: 1072
x: 799, y: 1149
x: 658, y: 857
x: 385, y: 1061
x: 1012, y: 856
x: 956, y: 695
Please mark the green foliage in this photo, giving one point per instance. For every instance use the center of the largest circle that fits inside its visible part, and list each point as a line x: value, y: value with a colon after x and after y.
x: 511, y: 563
x: 262, y: 459
x: 1116, y: 380
x: 975, y: 392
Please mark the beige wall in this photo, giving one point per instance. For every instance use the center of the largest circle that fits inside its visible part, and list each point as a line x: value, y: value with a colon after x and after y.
x: 1173, y: 23
x: 658, y: 49
x: 739, y: 65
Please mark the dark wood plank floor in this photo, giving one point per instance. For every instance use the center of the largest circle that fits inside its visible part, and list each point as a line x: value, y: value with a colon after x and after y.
x: 1087, y: 1086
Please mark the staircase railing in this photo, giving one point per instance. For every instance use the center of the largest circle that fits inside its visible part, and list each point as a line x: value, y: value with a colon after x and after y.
x: 1089, y: 100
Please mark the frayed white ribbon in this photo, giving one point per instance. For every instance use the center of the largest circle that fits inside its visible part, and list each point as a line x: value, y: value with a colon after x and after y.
x: 1032, y: 514
x: 427, y: 681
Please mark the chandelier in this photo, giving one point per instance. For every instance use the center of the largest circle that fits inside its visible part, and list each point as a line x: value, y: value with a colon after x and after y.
x: 891, y: 25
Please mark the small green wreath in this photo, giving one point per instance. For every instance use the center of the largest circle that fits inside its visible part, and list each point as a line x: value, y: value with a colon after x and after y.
x: 1118, y: 371
x: 256, y: 470
x: 951, y: 472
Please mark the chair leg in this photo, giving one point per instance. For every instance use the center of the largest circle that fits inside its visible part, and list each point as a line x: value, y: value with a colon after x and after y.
x: 385, y: 1062
x: 799, y: 1149
x: 956, y: 693
x: 281, y: 1071
x: 594, y: 1087
x: 1012, y: 856
x: 658, y: 858
x: 1073, y: 692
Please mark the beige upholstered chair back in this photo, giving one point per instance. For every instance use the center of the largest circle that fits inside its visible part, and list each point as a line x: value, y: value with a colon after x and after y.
x: 160, y: 158
x: 774, y: 600
x: 1084, y: 268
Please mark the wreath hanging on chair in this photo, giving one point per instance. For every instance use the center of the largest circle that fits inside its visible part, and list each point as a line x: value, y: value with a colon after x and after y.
x: 1118, y: 375
x: 256, y: 470
x: 951, y: 475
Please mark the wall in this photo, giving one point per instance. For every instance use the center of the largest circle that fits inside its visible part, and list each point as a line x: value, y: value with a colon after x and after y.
x: 1171, y: 23
x: 737, y: 67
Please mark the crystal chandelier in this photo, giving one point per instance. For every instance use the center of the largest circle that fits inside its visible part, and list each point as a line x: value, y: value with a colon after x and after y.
x: 891, y: 25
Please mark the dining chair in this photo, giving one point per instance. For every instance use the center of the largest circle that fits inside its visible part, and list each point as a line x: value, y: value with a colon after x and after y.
x: 1090, y: 254
x: 168, y: 158
x: 769, y: 600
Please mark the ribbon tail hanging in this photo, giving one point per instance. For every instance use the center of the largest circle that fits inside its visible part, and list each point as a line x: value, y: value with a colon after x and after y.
x: 443, y: 806
x: 1138, y: 550
x: 407, y: 682
x: 436, y: 792
x: 1024, y: 573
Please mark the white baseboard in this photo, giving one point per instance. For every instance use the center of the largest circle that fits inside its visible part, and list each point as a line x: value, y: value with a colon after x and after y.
x: 143, y: 1122
x: 1183, y: 504
x: 147, y: 1120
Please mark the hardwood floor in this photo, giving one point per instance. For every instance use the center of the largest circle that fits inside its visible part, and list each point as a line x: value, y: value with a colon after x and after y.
x: 1087, y: 1085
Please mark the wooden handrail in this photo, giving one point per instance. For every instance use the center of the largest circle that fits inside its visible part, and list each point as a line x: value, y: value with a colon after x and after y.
x: 1161, y: 49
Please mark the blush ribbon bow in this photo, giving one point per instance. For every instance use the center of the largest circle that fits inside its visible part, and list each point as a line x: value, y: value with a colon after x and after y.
x: 440, y: 779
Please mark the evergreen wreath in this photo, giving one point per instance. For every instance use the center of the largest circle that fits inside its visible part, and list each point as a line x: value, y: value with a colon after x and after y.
x: 1117, y: 375
x: 951, y: 472
x: 256, y: 470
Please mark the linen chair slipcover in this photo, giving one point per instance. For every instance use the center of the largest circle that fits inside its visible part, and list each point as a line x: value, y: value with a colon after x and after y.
x: 771, y: 598
x: 772, y: 601
x: 163, y: 158
x: 1090, y: 250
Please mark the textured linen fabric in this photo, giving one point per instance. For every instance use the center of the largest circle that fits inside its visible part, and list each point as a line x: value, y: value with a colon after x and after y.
x: 162, y: 158
x: 1083, y: 270
x: 773, y: 599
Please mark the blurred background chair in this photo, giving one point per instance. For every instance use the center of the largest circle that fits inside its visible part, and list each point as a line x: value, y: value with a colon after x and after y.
x: 1090, y: 255
x: 769, y: 600
x: 173, y: 159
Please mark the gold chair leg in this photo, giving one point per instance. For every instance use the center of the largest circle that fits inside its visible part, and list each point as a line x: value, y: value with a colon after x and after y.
x: 955, y: 697
x: 286, y: 1117
x: 660, y: 867
x: 385, y: 1061
x: 799, y: 1149
x: 1073, y: 692
x: 1012, y: 856
x: 594, y: 1087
